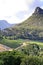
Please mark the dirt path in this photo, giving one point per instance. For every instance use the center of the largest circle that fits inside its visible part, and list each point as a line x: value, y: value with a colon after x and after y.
x: 24, y: 44
x: 5, y: 48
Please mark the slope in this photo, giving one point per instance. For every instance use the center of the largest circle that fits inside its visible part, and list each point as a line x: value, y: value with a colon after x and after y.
x: 32, y: 28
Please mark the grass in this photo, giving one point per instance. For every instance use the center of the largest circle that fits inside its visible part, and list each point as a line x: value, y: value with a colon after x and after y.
x: 12, y: 43
x: 36, y: 42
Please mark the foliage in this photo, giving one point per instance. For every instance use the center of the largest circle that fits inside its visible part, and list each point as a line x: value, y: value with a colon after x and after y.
x: 18, y: 58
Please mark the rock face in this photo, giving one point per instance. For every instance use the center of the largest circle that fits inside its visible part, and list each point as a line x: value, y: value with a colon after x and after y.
x: 38, y: 10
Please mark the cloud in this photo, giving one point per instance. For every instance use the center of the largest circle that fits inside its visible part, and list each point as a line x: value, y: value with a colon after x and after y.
x: 31, y: 4
x: 26, y: 13
x: 10, y: 7
x: 15, y: 11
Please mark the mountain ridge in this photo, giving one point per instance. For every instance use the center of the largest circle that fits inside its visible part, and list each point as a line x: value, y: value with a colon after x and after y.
x: 4, y: 24
x: 32, y: 28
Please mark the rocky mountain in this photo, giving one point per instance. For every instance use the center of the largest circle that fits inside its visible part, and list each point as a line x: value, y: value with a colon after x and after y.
x: 38, y: 11
x: 4, y: 24
x: 32, y: 28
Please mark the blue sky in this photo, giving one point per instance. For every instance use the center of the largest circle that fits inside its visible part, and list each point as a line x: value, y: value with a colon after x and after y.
x: 15, y: 11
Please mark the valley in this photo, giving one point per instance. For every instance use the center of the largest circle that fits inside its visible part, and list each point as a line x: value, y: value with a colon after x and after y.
x: 22, y: 44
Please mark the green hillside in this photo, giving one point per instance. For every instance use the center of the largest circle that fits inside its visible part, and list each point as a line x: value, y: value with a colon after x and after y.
x: 32, y: 28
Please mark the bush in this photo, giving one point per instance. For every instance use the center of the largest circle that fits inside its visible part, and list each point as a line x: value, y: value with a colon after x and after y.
x: 32, y: 60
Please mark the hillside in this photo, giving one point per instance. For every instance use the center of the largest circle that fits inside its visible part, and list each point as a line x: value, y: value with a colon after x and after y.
x: 32, y: 28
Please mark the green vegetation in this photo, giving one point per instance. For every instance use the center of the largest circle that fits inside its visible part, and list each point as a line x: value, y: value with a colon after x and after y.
x: 31, y: 47
x: 18, y: 58
x: 18, y: 42
x: 31, y: 54
x: 36, y: 42
x: 12, y: 43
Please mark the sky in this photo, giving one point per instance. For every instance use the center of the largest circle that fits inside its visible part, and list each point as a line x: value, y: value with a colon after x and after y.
x: 15, y: 11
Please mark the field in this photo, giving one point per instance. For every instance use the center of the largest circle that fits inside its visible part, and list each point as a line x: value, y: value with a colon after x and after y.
x: 12, y: 43
x: 19, y: 42
x: 24, y: 46
x: 36, y: 42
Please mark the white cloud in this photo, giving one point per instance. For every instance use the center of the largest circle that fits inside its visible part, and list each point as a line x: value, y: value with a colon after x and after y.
x: 29, y: 1
x: 9, y: 9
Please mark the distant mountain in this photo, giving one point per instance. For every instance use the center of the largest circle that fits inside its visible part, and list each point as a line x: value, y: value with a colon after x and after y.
x: 32, y: 28
x: 4, y: 24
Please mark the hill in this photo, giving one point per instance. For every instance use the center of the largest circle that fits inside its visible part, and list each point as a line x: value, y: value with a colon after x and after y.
x: 32, y: 28
x: 4, y: 24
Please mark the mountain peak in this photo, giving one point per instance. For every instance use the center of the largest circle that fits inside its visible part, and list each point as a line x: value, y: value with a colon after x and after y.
x: 38, y: 10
